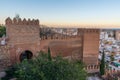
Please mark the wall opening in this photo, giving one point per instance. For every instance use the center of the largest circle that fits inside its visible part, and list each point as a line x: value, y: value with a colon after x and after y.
x: 26, y: 55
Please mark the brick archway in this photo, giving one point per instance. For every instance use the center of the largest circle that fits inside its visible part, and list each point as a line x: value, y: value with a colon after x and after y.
x: 27, y: 54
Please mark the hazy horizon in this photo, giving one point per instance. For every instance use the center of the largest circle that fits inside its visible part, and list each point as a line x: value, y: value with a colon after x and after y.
x: 98, y: 13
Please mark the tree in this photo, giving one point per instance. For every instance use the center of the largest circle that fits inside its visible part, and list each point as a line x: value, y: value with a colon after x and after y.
x: 2, y: 31
x: 41, y: 68
x: 102, y: 64
x: 49, y: 54
x: 17, y: 16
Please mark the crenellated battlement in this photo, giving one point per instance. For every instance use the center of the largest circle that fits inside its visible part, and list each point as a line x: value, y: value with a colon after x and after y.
x: 22, y: 31
x: 92, y: 68
x: 91, y: 30
x: 86, y: 30
x: 19, y: 21
x: 80, y: 33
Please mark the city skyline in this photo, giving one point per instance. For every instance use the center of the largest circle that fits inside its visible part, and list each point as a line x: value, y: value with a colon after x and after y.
x: 64, y: 12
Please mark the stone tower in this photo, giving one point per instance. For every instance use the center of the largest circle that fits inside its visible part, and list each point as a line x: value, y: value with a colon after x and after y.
x: 23, y: 38
x: 90, y: 45
x: 117, y: 34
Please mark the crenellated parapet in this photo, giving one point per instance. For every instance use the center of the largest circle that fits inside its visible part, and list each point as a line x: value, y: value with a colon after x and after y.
x: 19, y: 21
x: 88, y: 30
x: 91, y: 30
x: 92, y: 68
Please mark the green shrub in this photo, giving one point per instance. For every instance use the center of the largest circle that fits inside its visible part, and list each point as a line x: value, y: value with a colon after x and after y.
x: 41, y: 68
x: 2, y: 31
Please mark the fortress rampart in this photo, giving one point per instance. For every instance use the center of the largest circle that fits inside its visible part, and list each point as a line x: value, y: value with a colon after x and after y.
x: 26, y: 36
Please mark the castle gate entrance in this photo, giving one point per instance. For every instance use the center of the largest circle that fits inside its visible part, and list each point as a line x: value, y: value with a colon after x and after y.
x: 26, y: 55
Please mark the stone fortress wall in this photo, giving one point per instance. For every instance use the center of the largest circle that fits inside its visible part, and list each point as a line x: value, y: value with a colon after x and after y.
x: 24, y: 35
x: 4, y: 57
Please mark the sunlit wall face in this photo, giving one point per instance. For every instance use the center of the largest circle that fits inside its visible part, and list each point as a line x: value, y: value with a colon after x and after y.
x: 64, y: 12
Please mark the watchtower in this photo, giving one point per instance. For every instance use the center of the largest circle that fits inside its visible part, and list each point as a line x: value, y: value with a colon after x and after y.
x: 90, y: 45
x: 23, y: 38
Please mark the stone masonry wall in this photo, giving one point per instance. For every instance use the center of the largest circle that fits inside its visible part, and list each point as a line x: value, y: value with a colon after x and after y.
x: 22, y: 31
x: 4, y: 57
x: 91, y: 46
x: 23, y: 35
x: 64, y: 47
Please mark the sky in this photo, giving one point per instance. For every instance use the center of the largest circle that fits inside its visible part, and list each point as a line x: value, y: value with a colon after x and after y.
x: 64, y: 12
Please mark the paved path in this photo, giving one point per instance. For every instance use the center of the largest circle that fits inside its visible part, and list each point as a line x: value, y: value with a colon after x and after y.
x: 2, y: 74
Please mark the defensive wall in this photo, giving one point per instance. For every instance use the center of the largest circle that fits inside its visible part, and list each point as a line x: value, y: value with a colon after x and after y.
x: 23, y: 36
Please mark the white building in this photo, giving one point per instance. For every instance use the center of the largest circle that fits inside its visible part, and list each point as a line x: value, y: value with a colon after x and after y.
x: 115, y: 65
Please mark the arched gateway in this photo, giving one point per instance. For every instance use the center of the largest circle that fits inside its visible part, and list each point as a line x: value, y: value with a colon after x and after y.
x: 26, y: 55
